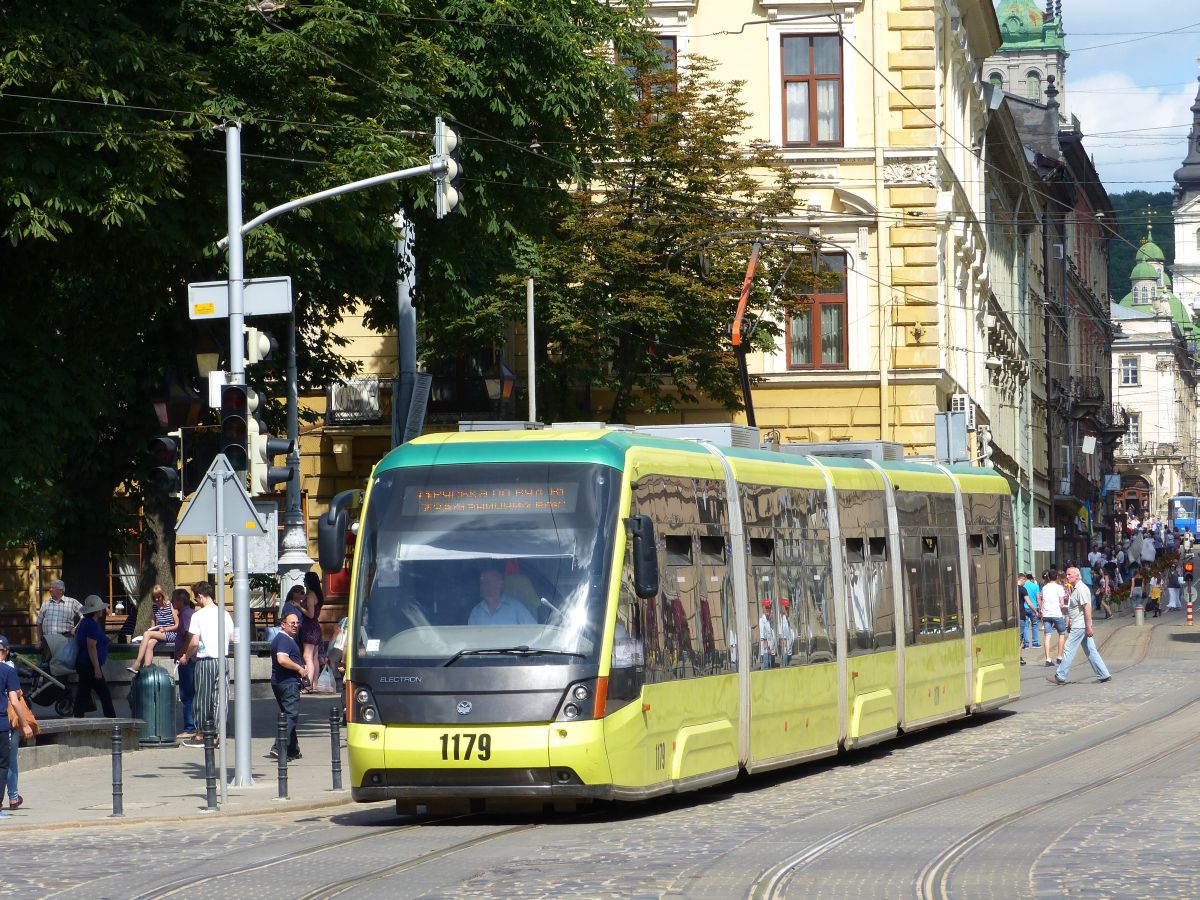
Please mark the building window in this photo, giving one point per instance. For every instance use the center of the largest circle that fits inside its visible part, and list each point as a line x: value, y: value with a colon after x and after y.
x: 997, y: 80
x: 1033, y: 85
x: 1129, y: 370
x: 1132, y: 438
x: 660, y: 77
x: 812, y: 89
x: 817, y: 331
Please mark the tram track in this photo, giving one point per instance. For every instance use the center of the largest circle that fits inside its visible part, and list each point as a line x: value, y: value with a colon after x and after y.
x: 774, y: 882
x: 933, y: 883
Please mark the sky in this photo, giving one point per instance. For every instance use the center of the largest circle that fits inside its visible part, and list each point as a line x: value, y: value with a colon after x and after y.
x: 1132, y: 87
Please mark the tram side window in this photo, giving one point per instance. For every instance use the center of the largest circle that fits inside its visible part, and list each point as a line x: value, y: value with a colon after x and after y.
x: 628, y: 671
x: 883, y: 591
x: 793, y: 601
x: 678, y: 604
x: 712, y: 616
x: 860, y: 601
x: 821, y: 621
x: 989, y: 615
x: 924, y: 586
x: 951, y: 585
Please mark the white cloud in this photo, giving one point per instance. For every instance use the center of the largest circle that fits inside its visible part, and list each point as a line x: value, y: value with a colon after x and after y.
x: 1137, y: 135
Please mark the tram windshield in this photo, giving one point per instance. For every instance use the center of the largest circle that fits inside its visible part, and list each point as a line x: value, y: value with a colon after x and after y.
x: 486, y: 564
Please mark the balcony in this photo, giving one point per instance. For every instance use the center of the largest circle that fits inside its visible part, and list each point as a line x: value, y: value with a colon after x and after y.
x: 1148, y: 451
x: 1111, y: 424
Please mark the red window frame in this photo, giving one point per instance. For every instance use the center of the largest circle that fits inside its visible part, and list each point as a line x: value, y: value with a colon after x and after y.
x: 813, y: 80
x: 821, y: 298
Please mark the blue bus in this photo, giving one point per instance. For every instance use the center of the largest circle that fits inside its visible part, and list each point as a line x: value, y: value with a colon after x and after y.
x: 1183, y: 513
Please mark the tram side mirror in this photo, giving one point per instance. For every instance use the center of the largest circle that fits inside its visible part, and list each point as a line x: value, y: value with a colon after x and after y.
x: 645, y: 556
x: 331, y: 531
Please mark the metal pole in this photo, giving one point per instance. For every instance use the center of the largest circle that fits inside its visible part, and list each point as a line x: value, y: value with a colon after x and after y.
x: 406, y: 327
x: 242, y: 776
x: 210, y: 771
x: 237, y: 307
x: 335, y: 746
x: 282, y: 744
x: 222, y: 664
x: 294, y: 560
x: 531, y: 361
x: 118, y: 793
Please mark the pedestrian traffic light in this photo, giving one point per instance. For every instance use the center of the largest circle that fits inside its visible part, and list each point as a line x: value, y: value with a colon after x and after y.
x: 984, y: 435
x: 238, y: 402
x: 259, y: 345
x: 446, y: 185
x: 1189, y: 568
x: 165, y: 453
x: 264, y: 448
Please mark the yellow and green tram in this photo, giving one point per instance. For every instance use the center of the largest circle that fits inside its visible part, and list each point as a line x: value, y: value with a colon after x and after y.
x: 559, y: 616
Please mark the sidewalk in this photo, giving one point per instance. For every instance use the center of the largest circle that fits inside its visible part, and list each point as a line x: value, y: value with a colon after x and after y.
x: 168, y: 783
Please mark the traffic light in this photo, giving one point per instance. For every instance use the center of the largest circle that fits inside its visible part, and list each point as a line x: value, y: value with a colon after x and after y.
x: 446, y: 186
x: 165, y: 453
x: 984, y: 434
x: 264, y: 448
x: 259, y: 345
x: 238, y: 402
x: 1189, y: 568
x: 200, y: 447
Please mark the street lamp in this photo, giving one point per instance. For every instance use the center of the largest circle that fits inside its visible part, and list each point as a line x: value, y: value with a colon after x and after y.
x: 500, y: 381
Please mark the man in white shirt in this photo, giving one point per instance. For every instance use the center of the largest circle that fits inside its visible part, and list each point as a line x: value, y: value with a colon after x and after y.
x: 1053, y: 597
x: 204, y: 646
x: 1148, y: 550
x: 1079, y: 609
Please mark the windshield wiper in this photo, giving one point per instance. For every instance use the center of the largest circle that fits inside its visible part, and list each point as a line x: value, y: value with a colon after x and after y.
x: 511, y: 651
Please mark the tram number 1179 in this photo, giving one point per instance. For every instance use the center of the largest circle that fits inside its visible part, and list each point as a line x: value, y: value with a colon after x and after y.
x: 464, y: 746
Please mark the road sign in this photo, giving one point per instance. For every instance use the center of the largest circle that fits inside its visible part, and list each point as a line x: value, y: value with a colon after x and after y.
x: 262, y: 297
x: 238, y: 515
x: 262, y: 551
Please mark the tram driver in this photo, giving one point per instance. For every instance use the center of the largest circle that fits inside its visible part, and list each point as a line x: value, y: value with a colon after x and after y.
x: 496, y: 607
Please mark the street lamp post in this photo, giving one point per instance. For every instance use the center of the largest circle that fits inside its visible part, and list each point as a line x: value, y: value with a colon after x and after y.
x: 294, y: 561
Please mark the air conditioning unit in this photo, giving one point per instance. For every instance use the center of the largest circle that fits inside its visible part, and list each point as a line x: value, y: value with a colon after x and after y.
x: 962, y: 403
x: 880, y: 451
x: 719, y: 433
x: 1064, y: 486
x: 353, y: 401
x: 1059, y: 252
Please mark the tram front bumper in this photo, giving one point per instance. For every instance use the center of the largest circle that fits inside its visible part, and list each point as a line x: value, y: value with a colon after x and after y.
x: 555, y: 760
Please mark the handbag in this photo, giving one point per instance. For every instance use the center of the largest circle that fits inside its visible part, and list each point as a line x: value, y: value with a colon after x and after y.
x: 68, y: 654
x: 14, y: 719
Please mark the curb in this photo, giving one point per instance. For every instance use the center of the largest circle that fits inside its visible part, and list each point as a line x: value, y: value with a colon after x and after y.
x: 199, y: 814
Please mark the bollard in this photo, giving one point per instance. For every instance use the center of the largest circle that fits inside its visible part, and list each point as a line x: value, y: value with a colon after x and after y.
x: 1139, y: 614
x: 281, y: 741
x: 335, y: 745
x: 210, y: 770
x: 118, y: 794
x: 1189, y: 612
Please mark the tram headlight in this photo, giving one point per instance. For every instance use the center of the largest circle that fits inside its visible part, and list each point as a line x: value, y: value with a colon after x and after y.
x: 362, y: 695
x: 368, y: 714
x: 365, y: 710
x: 579, y: 701
x: 581, y: 692
x: 571, y: 711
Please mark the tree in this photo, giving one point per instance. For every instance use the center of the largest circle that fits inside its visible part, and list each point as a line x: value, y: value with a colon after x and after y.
x: 112, y: 191
x: 637, y: 293
x: 1135, y: 210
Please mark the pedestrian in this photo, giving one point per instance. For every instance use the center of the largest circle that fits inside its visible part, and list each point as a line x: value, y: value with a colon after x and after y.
x: 20, y: 724
x: 1104, y: 589
x: 1149, y: 551
x: 287, y: 667
x: 310, y: 629
x: 10, y: 688
x: 185, y: 669
x: 1154, y: 604
x: 1029, y: 611
x: 1053, y: 598
x: 56, y: 619
x: 91, y: 645
x: 1079, y: 612
x: 1174, y: 584
x: 205, y: 648
x: 164, y: 629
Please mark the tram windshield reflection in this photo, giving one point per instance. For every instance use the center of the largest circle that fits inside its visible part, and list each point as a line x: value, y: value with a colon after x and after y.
x: 485, y: 564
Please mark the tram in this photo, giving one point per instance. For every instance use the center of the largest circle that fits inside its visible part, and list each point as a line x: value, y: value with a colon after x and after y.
x: 557, y: 616
x: 1183, y: 512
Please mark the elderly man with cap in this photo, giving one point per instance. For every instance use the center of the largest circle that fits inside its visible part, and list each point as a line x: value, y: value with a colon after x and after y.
x: 92, y: 644
x: 56, y: 619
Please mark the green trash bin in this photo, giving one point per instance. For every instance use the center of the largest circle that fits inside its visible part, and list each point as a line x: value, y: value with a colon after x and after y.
x: 152, y: 699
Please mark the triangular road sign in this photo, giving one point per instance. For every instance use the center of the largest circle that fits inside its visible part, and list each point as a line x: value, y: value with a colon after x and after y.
x: 238, y: 515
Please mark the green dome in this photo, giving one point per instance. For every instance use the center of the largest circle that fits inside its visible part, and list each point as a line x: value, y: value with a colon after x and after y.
x: 1150, y: 250
x: 1020, y: 19
x: 1166, y: 280
x: 1143, y: 270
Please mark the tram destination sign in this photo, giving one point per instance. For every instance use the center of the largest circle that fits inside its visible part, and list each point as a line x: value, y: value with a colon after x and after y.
x: 477, y: 499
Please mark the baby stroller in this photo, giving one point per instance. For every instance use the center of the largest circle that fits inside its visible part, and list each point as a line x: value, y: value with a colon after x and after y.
x: 44, y: 689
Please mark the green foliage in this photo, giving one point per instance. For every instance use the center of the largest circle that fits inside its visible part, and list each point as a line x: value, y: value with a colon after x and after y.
x: 625, y: 303
x: 1133, y: 210
x: 112, y: 193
